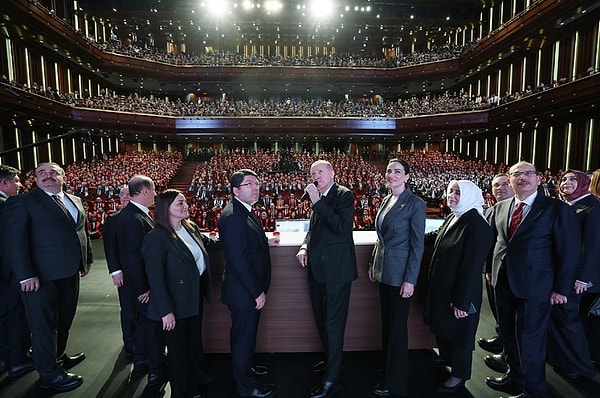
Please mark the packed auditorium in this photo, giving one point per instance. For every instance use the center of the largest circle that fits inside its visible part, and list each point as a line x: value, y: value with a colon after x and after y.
x: 320, y: 199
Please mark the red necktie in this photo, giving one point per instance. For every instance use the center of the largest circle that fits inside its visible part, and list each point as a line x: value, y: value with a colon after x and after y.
x: 516, y: 218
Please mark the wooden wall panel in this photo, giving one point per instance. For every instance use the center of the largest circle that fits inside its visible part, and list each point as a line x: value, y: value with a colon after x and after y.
x: 287, y: 323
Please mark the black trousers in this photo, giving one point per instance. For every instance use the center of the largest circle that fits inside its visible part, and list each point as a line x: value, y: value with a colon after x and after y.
x: 330, y: 309
x: 242, y: 341
x: 14, y: 331
x: 50, y: 312
x: 185, y: 358
x: 129, y: 319
x: 568, y: 347
x: 524, y: 331
x: 149, y: 339
x: 460, y: 358
x: 394, y: 333
x: 591, y: 325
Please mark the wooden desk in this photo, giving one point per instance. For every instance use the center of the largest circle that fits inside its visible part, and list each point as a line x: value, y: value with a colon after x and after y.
x: 287, y: 323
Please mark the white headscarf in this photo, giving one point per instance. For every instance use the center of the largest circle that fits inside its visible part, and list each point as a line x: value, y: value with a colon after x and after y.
x: 470, y: 197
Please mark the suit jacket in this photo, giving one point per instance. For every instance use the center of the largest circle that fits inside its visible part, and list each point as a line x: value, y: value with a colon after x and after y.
x: 588, y: 212
x: 42, y: 241
x: 4, y: 269
x: 330, y: 246
x: 109, y: 239
x: 540, y: 256
x: 458, y: 256
x: 132, y: 226
x: 247, y: 259
x: 175, y: 282
x: 399, y: 247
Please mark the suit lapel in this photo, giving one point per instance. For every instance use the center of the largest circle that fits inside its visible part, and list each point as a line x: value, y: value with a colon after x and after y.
x: 537, y: 208
x: 48, y: 203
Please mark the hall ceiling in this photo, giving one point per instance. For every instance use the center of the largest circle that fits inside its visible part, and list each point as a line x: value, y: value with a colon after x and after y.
x: 354, y: 26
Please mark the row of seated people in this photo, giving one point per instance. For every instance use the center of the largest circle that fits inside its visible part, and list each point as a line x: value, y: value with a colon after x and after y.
x: 425, y: 105
x: 230, y: 58
x: 429, y: 104
x: 430, y: 175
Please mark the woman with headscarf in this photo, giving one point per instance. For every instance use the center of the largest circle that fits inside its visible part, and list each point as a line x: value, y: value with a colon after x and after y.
x: 568, y: 349
x: 461, y: 247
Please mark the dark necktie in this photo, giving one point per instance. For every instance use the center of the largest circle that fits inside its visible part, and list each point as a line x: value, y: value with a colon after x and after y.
x: 516, y: 219
x: 61, y: 204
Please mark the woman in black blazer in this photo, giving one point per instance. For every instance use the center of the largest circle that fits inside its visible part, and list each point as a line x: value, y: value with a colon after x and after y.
x: 453, y: 301
x: 569, y: 351
x: 177, y: 264
x: 395, y: 264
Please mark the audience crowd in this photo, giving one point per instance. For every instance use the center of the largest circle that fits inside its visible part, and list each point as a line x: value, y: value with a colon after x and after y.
x: 229, y: 58
x: 283, y: 176
x: 98, y: 182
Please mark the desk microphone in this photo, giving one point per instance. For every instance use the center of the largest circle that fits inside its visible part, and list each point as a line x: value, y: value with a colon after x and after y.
x: 306, y: 195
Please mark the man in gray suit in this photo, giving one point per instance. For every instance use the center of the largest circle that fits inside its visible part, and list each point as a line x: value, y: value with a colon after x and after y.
x: 533, y: 268
x: 48, y: 249
x: 328, y: 251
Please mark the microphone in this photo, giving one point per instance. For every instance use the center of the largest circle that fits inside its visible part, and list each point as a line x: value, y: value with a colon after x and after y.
x: 306, y: 195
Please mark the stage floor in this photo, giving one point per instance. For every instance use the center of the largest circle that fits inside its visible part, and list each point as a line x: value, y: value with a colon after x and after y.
x: 96, y: 331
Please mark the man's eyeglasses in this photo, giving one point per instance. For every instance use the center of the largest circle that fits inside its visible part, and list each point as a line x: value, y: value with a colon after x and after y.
x: 251, y: 184
x: 527, y: 173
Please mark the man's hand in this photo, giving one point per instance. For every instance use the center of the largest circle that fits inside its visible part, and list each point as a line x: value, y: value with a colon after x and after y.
x: 31, y: 285
x: 557, y: 298
x: 370, y: 273
x: 85, y: 271
x: 261, y: 300
x: 580, y: 287
x: 144, y: 298
x: 168, y: 321
x: 407, y: 289
x: 302, y: 257
x: 118, y: 279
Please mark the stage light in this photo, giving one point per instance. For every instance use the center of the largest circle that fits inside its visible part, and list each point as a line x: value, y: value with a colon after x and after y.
x: 273, y: 6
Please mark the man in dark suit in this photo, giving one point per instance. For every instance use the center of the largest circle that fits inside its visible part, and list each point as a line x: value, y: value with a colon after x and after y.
x: 133, y: 223
x: 14, y: 331
x: 328, y: 250
x: 533, y: 267
x: 501, y: 190
x: 111, y: 251
x: 246, y: 279
x: 48, y: 250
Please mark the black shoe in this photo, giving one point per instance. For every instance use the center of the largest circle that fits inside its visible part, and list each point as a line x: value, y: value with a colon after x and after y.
x: 261, y: 391
x: 493, y: 345
x: 381, y: 391
x: 505, y: 383
x: 259, y: 371
x: 496, y: 362
x: 20, y: 370
x: 449, y: 390
x: 63, y: 382
x: 155, y: 379
x: 319, y: 367
x: 69, y: 361
x: 325, y: 389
